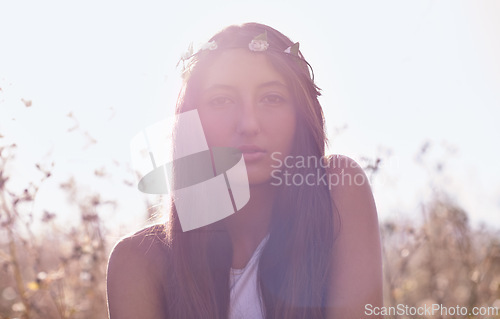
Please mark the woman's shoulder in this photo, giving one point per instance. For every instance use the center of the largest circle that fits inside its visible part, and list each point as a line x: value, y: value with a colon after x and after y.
x: 349, y: 186
x: 146, y: 250
x: 346, y: 170
x: 357, y: 248
x: 137, y: 278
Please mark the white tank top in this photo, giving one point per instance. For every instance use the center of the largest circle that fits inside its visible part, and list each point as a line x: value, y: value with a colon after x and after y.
x: 245, y: 298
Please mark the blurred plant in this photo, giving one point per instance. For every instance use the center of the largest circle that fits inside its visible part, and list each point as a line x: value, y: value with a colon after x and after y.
x: 441, y: 258
x: 60, y: 272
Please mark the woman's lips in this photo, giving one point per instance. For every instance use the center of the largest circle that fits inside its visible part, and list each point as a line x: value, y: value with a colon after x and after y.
x: 252, y: 153
x: 253, y: 157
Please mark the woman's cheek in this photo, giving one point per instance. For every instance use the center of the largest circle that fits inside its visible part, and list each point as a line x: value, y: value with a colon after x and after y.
x: 217, y: 129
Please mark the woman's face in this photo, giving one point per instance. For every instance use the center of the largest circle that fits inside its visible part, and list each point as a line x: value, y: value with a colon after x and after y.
x: 245, y: 103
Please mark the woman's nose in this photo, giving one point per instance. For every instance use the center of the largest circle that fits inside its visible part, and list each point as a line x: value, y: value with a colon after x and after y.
x: 248, y: 121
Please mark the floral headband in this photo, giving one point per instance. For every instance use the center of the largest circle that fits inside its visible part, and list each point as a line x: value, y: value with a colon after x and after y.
x: 257, y: 44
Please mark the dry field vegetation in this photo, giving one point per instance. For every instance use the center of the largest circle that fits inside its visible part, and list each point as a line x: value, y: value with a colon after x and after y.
x: 53, y: 271
x: 59, y: 272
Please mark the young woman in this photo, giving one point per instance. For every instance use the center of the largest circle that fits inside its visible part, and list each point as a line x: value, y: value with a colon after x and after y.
x: 306, y: 245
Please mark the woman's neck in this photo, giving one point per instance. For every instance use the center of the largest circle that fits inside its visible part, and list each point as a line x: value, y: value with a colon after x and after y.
x: 250, y: 225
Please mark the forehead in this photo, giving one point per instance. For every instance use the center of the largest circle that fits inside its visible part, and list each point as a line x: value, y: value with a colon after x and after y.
x: 240, y: 67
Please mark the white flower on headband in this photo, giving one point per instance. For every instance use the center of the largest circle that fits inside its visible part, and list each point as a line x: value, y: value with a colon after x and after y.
x: 259, y: 43
x: 212, y: 45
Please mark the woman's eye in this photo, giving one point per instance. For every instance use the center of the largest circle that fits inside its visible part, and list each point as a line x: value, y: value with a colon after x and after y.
x: 273, y: 99
x: 220, y: 101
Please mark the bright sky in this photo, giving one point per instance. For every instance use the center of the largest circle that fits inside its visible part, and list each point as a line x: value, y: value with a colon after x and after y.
x: 395, y: 73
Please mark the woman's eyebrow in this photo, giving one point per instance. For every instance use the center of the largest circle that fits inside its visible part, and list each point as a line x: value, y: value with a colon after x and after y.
x: 232, y: 88
x: 220, y: 86
x: 273, y: 83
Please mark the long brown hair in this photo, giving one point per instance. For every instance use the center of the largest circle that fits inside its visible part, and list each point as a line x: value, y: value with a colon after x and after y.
x: 295, y: 265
